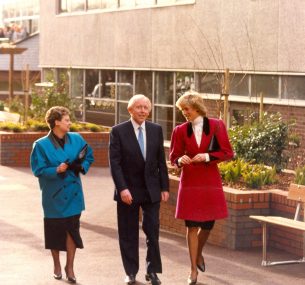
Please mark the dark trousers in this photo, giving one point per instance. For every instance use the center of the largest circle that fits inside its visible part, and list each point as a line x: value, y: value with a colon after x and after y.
x: 128, y: 225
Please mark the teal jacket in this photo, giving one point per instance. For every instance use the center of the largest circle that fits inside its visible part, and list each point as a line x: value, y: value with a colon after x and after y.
x: 62, y: 195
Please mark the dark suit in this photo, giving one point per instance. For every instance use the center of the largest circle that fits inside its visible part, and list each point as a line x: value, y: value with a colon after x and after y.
x: 145, y: 179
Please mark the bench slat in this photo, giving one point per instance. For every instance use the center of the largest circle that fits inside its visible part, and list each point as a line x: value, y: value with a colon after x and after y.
x: 298, y: 225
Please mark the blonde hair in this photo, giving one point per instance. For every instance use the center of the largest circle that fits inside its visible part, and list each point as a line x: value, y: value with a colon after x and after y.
x: 136, y: 98
x: 194, y: 100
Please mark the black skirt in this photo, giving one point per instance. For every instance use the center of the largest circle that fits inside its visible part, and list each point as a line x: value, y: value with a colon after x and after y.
x: 56, y: 229
x: 208, y: 225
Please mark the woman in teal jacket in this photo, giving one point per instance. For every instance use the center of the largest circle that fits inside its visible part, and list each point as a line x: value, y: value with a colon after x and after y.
x: 57, y: 160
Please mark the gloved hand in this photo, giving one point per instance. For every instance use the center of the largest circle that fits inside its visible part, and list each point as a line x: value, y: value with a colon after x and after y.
x: 76, y: 168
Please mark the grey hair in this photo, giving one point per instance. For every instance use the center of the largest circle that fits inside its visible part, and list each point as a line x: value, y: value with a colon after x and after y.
x: 136, y: 98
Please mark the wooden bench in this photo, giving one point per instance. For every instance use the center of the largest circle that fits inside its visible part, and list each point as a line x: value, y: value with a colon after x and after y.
x: 296, y: 193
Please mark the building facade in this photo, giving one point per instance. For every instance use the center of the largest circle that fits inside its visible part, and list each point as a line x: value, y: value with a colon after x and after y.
x: 109, y: 50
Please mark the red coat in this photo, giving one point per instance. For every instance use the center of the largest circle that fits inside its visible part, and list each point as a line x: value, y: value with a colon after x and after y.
x: 200, y: 195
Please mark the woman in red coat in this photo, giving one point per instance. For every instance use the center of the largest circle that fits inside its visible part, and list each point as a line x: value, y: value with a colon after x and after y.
x: 200, y: 198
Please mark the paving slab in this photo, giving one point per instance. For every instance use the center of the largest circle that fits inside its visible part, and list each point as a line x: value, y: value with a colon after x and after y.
x: 24, y: 261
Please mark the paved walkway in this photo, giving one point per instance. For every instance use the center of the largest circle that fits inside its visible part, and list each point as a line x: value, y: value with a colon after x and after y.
x: 23, y: 260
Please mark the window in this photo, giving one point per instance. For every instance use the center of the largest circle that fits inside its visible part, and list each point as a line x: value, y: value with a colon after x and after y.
x: 94, y: 4
x: 239, y: 84
x: 184, y: 82
x: 143, y: 83
x: 77, y: 5
x: 164, y: 88
x: 209, y: 83
x: 293, y: 87
x: 164, y: 117
x: 267, y: 84
x: 76, y: 83
x: 125, y: 85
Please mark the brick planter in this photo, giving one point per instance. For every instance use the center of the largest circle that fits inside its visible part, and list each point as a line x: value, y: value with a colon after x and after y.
x: 15, y: 148
x: 238, y: 231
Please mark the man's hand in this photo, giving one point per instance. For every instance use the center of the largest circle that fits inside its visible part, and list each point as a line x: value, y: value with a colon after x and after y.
x: 126, y: 197
x: 164, y: 196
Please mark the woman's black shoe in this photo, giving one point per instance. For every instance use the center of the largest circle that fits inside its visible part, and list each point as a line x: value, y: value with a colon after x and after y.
x: 201, y: 266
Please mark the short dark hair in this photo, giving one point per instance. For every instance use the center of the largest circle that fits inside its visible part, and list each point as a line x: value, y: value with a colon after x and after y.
x: 55, y: 114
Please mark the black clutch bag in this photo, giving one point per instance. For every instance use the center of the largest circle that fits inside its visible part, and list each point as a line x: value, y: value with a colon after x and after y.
x: 214, y: 145
x: 82, y: 154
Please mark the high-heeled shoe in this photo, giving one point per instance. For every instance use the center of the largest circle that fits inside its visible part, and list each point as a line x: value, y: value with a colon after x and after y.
x: 201, y: 266
x: 69, y: 278
x: 57, y: 276
x: 191, y: 281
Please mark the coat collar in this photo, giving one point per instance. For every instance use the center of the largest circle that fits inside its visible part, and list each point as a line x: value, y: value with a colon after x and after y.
x: 206, y: 127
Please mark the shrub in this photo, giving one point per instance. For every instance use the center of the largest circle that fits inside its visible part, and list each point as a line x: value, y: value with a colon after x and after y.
x: 262, y: 142
x: 12, y: 127
x: 300, y: 175
x: 37, y: 126
x: 56, y: 95
x: 253, y: 176
x: 93, y: 127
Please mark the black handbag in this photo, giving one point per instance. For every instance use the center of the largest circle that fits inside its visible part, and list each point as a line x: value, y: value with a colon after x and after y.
x: 82, y: 154
x: 214, y: 145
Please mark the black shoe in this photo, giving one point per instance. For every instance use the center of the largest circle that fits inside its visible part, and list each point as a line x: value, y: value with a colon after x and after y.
x: 130, y: 279
x: 152, y: 278
x: 201, y: 266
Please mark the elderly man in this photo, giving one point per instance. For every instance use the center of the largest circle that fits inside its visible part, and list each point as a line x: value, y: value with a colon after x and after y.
x: 139, y: 172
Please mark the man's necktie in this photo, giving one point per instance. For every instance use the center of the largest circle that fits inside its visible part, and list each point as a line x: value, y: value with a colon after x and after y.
x: 141, y: 141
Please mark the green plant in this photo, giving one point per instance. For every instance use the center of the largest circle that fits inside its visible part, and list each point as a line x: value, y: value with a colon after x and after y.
x: 93, y: 127
x: 300, y: 175
x: 75, y: 127
x: 264, y: 142
x: 1, y: 105
x: 35, y: 125
x: 55, y: 95
x: 12, y: 127
x: 17, y: 105
x: 252, y: 175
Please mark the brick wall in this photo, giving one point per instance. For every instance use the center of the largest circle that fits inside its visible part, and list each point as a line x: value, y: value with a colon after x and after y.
x: 15, y: 148
x: 238, y: 231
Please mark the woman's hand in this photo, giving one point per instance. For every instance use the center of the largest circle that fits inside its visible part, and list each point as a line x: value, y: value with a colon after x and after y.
x: 200, y: 157
x: 62, y: 167
x: 183, y: 160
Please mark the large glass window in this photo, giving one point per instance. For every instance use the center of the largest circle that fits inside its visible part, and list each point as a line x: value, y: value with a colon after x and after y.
x: 143, y: 83
x: 164, y: 117
x: 266, y: 84
x: 77, y: 5
x: 123, y: 114
x: 209, y: 83
x: 109, y: 4
x: 184, y: 82
x: 125, y: 85
x: 293, y: 87
x: 100, y: 97
x: 239, y: 84
x: 94, y: 4
x: 76, y: 83
x: 127, y: 3
x: 145, y: 2
x: 164, y: 90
